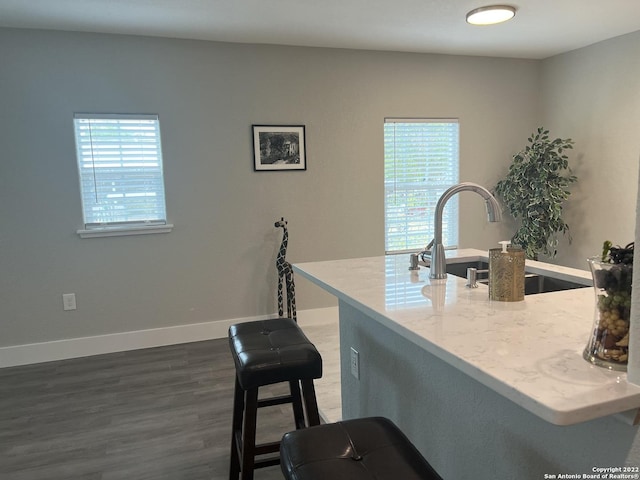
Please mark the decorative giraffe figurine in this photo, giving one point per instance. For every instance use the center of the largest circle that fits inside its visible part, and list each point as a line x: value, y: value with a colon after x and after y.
x: 285, y: 275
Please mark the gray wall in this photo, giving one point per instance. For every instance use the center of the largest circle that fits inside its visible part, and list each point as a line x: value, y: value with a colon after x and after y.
x: 592, y: 95
x: 218, y: 263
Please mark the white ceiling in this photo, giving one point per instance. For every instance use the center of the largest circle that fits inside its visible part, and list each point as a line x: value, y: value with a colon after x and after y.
x: 541, y: 28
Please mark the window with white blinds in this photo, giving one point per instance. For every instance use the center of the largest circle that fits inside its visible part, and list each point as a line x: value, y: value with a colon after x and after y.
x: 421, y: 160
x: 120, y: 166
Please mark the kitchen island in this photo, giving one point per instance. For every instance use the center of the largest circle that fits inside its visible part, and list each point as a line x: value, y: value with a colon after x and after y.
x: 485, y: 389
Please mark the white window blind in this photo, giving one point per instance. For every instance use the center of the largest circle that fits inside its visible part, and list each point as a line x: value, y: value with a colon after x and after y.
x: 120, y: 166
x: 421, y: 160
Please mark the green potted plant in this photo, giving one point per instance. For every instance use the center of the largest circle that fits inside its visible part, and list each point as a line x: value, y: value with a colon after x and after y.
x: 534, y: 190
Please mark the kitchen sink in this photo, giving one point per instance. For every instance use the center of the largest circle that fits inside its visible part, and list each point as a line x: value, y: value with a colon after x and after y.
x: 460, y: 269
x: 534, y: 283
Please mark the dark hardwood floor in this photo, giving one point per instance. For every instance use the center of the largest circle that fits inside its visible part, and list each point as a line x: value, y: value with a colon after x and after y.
x: 159, y: 413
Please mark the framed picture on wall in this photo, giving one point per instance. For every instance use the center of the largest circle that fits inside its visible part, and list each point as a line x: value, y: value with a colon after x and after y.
x: 279, y: 147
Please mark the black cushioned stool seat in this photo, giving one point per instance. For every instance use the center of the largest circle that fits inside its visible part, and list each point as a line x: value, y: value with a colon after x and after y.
x: 360, y: 449
x: 267, y: 352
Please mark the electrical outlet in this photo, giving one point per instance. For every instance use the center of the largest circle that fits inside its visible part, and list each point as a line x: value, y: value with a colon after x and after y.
x: 355, y: 363
x: 69, y: 301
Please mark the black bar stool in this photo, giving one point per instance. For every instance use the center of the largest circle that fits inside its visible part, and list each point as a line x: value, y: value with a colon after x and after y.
x: 267, y: 352
x: 361, y: 449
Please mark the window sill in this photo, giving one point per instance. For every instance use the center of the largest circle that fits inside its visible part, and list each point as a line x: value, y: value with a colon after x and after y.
x: 122, y: 231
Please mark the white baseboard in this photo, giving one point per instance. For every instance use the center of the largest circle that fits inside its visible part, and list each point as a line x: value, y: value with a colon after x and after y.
x: 119, y: 342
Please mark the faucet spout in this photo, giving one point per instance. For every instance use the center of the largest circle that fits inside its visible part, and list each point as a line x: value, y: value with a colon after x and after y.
x: 438, y: 262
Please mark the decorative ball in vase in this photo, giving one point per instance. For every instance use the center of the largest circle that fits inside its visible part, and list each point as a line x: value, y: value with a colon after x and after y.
x: 612, y: 272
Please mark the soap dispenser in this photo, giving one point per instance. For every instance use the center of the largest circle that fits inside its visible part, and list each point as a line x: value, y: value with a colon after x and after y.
x: 506, y: 273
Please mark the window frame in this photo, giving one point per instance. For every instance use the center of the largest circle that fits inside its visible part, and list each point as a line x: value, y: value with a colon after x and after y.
x: 396, y: 185
x: 119, y: 228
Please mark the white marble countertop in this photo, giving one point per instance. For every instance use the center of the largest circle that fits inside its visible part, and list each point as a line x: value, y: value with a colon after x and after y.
x: 530, y: 351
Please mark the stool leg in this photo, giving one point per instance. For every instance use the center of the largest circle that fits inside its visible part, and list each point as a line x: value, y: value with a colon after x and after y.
x: 310, y: 402
x: 236, y: 430
x: 296, y: 403
x: 249, y: 434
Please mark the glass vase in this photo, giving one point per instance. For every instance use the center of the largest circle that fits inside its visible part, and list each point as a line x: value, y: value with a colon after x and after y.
x: 608, y: 345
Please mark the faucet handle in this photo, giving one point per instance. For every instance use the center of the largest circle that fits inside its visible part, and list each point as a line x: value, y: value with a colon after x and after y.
x: 426, y: 251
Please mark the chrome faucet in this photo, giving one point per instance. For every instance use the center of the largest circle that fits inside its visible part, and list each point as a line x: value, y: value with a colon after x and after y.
x: 438, y: 262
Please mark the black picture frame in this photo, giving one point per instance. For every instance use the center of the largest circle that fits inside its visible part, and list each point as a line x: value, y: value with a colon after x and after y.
x: 279, y: 147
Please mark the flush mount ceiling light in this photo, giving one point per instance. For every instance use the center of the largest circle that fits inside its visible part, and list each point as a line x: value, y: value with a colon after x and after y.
x: 490, y: 15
